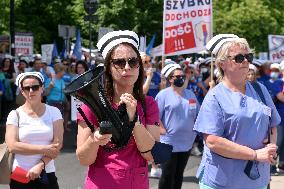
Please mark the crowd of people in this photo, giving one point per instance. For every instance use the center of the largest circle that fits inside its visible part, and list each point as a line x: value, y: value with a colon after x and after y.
x: 235, y: 126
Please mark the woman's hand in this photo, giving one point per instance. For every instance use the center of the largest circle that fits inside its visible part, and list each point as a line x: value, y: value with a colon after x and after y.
x: 101, y: 139
x: 131, y: 104
x: 267, y: 153
x: 35, y: 171
x: 51, y: 150
x: 212, y: 84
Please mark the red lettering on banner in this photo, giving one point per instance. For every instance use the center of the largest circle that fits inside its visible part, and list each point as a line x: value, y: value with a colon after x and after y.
x: 179, y: 38
x: 22, y: 51
x: 278, y: 55
x: 188, y: 14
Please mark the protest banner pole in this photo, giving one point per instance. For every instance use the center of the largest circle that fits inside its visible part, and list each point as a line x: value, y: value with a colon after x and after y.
x: 211, y: 68
x: 163, y: 79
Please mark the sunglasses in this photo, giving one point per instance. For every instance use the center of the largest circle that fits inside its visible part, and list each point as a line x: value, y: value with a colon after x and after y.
x: 179, y: 76
x: 120, y: 63
x: 239, y: 58
x: 33, y: 87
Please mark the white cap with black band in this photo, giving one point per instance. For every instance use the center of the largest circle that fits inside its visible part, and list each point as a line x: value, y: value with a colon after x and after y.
x: 217, y: 41
x: 167, y: 70
x: 111, y: 39
x: 21, y: 76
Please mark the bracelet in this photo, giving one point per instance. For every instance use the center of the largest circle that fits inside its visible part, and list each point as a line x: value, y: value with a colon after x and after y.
x: 255, y: 156
x: 43, y: 163
x: 145, y: 151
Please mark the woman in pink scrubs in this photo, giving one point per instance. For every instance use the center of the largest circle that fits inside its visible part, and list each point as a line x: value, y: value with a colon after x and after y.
x: 125, y: 167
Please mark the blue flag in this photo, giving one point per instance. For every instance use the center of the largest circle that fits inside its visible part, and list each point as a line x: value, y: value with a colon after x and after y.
x: 151, y: 44
x: 63, y: 53
x: 77, y: 51
x: 54, y: 50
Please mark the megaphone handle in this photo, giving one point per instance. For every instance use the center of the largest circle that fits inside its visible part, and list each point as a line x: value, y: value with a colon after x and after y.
x: 86, y: 119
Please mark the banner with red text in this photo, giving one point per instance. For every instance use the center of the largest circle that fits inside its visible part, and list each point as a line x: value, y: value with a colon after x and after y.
x: 187, y: 26
x: 24, y: 43
x: 276, y: 48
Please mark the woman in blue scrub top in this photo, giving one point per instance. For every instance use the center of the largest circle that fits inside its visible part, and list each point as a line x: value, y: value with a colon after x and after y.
x: 235, y: 123
x: 178, y: 108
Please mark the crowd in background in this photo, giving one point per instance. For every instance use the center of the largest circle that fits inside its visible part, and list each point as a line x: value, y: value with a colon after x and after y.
x: 61, y: 72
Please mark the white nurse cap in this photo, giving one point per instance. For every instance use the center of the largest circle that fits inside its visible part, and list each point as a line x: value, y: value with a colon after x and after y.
x: 217, y: 41
x: 111, y: 39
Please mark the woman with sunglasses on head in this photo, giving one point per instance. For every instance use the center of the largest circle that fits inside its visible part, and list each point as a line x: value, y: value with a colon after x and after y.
x: 178, y: 108
x: 124, y: 167
x: 238, y: 125
x: 34, y: 134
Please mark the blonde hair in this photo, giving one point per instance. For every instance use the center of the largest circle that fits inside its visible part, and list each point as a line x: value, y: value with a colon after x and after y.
x: 223, y: 52
x: 58, y: 68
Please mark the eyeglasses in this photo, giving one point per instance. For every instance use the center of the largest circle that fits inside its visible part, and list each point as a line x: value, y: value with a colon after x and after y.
x: 120, y: 63
x: 239, y: 58
x: 33, y: 87
x: 179, y: 76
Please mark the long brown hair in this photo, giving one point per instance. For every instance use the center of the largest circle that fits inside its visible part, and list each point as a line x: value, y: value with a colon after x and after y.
x: 138, y: 85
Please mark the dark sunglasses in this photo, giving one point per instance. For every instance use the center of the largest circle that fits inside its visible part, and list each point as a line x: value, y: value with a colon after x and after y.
x: 179, y: 76
x: 33, y: 87
x: 239, y: 58
x: 120, y: 62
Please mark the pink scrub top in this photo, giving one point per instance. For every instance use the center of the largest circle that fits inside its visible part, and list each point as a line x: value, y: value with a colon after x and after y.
x: 124, y: 168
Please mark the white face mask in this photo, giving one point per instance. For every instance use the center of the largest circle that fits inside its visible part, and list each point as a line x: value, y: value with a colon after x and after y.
x: 274, y: 75
x: 203, y: 70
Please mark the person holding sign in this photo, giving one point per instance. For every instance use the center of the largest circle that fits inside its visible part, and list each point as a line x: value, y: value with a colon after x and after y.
x: 238, y: 125
x: 34, y: 134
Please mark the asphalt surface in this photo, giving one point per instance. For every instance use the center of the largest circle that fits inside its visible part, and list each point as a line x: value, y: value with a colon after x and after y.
x: 71, y: 174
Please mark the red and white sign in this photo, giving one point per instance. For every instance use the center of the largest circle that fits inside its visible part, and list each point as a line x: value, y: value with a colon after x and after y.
x: 24, y: 43
x: 276, y: 48
x: 192, y: 103
x: 187, y: 26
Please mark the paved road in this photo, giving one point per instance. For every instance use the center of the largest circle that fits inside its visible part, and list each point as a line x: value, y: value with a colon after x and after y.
x: 71, y: 174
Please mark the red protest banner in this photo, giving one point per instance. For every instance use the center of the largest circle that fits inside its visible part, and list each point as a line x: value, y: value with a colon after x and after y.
x: 187, y: 26
x: 179, y: 38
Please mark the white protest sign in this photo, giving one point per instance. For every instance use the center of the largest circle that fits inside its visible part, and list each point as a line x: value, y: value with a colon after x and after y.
x: 24, y: 43
x: 46, y: 52
x: 75, y: 103
x: 187, y: 26
x: 276, y: 48
x: 103, y: 31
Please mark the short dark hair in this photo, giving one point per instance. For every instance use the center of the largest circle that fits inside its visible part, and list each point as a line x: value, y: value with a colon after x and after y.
x: 83, y: 63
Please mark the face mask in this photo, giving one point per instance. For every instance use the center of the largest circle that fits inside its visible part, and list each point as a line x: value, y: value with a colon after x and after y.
x: 274, y: 75
x: 192, y: 78
x: 178, y: 82
x: 203, y: 70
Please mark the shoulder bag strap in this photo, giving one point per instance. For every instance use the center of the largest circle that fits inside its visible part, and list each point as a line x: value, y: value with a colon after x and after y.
x: 261, y: 95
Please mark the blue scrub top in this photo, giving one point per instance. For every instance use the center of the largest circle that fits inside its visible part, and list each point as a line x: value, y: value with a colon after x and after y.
x: 243, y: 119
x: 56, y: 93
x: 154, y: 87
x: 192, y: 85
x: 178, y: 113
x: 275, y: 87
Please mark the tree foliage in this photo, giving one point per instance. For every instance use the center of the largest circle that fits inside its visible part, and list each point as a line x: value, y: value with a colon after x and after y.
x: 252, y: 19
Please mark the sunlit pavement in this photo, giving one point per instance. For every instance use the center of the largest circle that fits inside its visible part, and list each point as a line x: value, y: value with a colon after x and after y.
x: 71, y: 174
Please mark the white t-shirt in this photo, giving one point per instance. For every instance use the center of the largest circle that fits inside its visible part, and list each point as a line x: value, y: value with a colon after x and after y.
x: 38, y: 131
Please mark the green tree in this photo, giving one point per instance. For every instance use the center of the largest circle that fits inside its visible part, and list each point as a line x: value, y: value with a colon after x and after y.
x: 4, y: 17
x: 252, y: 19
